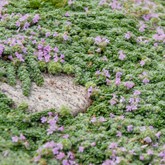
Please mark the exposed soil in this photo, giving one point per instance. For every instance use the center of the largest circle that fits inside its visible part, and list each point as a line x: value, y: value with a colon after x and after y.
x: 57, y: 91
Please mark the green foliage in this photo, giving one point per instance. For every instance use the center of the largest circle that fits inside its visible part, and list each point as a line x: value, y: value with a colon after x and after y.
x: 83, y: 59
x: 54, y: 67
x: 34, y: 70
x: 24, y: 76
x: 11, y: 75
x: 42, y: 66
x: 68, y: 69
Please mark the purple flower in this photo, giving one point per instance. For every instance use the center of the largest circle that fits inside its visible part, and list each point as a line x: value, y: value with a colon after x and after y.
x: 70, y: 2
x: 18, y: 24
x: 106, y: 73
x: 65, y: 37
x: 118, y: 74
x: 108, y: 82
x: 81, y: 149
x: 56, y: 50
x: 102, y: 119
x: 142, y: 27
x: 146, y: 80
x: 86, y: 9
x: 136, y: 92
x: 1, y: 49
x: 55, y: 34
x: 113, y: 145
x: 130, y: 128
x: 22, y: 137
x: 60, y: 156
x: 97, y: 72
x: 115, y: 5
x: 150, y: 152
x: 158, y: 134
x: 47, y: 57
x: 108, y: 162
x: 61, y: 128
x: 102, y: 2
x: 26, y: 25
x: 162, y: 154
x: 36, y: 18
x: 56, y: 58
x: 67, y: 14
x: 47, y: 34
x: 62, y: 56
x: 147, y: 139
x: 129, y: 84
x: 37, y: 158
x: 93, y: 120
x: 141, y: 157
x: 65, y: 162
x: 119, y: 134
x: 112, y: 115
x: 142, y: 62
x: 55, y: 151
x: 90, y: 89
x: 122, y: 56
x: 15, y: 139
x: 43, y: 119
x: 66, y: 136
x: 113, y: 101
x: 19, y: 56
x: 117, y: 81
x: 93, y: 144
x: 98, y: 40
x: 128, y: 35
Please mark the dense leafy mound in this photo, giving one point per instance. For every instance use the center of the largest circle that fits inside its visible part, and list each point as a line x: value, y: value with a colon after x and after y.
x: 117, y: 51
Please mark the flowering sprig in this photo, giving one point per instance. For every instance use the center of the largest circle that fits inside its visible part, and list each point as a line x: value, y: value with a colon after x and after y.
x: 52, y: 121
x: 20, y: 140
x: 25, y: 21
x: 55, y: 150
x: 102, y: 42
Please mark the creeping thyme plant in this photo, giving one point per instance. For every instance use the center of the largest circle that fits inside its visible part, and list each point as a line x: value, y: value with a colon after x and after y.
x: 116, y: 48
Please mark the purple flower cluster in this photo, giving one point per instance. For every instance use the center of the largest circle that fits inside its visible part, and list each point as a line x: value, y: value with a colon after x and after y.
x: 142, y: 27
x: 128, y: 35
x: 36, y: 18
x: 101, y: 41
x: 122, y: 56
x: 44, y: 53
x: 133, y: 101
x: 114, y: 100
x: 1, y: 49
x: 52, y: 121
x: 101, y: 119
x: 129, y: 84
x: 118, y: 78
x: 160, y: 35
x: 56, y: 150
x: 144, y: 77
x: 115, y: 5
x: 21, y: 139
x: 24, y: 21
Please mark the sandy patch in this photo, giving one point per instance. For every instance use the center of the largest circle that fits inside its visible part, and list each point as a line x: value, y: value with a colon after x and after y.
x: 57, y: 91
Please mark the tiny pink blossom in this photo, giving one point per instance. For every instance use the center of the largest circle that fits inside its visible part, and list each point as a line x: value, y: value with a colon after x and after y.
x: 15, y: 139
x: 122, y: 56
x: 81, y: 149
x: 129, y: 84
x: 147, y: 139
x: 142, y: 62
x: 128, y: 35
x: 60, y: 156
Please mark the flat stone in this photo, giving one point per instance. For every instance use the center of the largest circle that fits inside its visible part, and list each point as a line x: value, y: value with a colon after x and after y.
x: 56, y: 92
